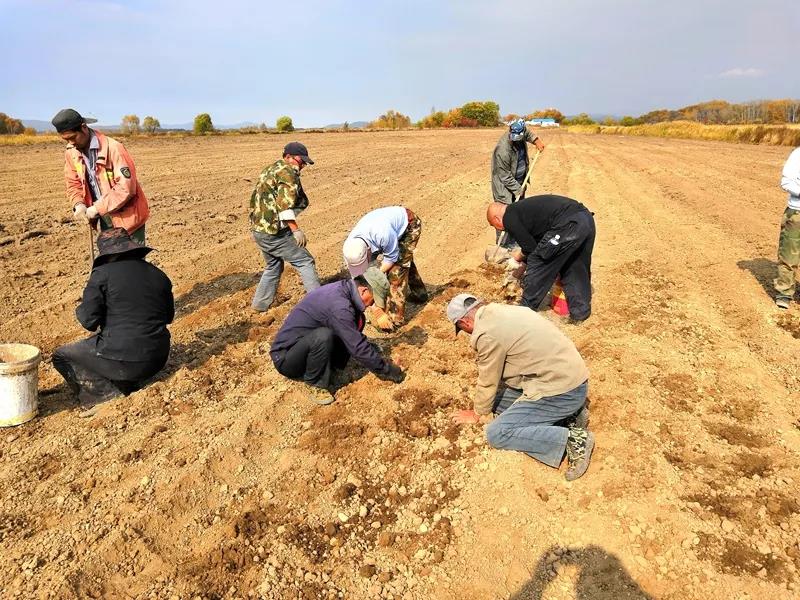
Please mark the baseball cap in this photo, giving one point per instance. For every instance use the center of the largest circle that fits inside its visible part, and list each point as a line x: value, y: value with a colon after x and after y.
x: 298, y: 149
x: 356, y: 256
x: 459, y: 307
x: 69, y: 118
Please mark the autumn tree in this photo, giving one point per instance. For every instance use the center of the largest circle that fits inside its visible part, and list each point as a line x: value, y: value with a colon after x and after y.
x: 151, y: 124
x: 10, y: 125
x: 391, y: 120
x: 547, y: 113
x: 486, y: 114
x: 284, y: 124
x: 130, y: 124
x: 203, y: 124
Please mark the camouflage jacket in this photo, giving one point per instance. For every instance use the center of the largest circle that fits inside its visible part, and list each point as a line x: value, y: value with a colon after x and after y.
x: 277, y: 197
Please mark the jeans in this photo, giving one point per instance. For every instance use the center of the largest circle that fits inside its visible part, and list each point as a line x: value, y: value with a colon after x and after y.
x: 277, y: 249
x: 96, y: 379
x: 312, y: 357
x: 533, y: 427
x: 571, y: 258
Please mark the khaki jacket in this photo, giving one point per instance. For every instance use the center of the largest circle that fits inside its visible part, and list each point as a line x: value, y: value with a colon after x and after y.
x: 505, y: 188
x: 525, y: 351
x: 122, y: 197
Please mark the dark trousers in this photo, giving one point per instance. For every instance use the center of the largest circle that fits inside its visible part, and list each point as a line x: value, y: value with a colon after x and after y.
x: 96, y: 379
x: 571, y: 258
x: 312, y: 358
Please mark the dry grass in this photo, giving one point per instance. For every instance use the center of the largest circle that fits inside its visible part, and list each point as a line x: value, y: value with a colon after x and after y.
x: 774, y: 135
x: 27, y: 140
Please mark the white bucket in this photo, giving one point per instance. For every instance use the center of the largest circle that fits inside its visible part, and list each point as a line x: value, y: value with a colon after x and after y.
x: 19, y: 383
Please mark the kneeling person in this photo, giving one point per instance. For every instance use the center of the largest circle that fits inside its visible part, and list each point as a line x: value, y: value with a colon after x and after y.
x: 392, y: 231
x: 323, y: 332
x: 131, y: 302
x: 532, y: 377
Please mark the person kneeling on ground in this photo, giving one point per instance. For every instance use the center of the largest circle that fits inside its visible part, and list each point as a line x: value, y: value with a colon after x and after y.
x: 131, y: 301
x: 532, y: 377
x: 556, y: 237
x: 322, y: 332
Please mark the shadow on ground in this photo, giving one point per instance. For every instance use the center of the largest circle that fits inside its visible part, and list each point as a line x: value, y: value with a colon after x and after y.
x: 208, y: 291
x: 763, y: 270
x: 601, y: 576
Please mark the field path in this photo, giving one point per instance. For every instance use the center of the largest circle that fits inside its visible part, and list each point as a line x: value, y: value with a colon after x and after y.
x: 220, y: 481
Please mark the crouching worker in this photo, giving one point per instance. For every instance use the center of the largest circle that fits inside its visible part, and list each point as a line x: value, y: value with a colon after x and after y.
x: 322, y: 333
x: 130, y: 301
x: 532, y: 378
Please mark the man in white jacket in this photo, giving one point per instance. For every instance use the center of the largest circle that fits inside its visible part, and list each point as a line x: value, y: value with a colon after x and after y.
x: 789, y: 241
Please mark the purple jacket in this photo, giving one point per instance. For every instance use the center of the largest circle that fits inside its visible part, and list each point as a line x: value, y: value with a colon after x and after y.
x: 338, y: 307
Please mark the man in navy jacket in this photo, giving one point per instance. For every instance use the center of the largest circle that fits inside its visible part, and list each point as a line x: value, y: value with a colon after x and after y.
x: 323, y: 332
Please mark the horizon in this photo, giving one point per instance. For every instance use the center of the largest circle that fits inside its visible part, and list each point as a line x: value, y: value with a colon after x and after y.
x: 353, y: 64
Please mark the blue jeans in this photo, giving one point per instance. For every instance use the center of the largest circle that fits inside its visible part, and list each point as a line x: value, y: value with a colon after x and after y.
x: 532, y: 426
x: 277, y: 249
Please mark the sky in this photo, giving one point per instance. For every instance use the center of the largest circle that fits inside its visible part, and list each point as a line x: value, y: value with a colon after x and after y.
x: 329, y: 61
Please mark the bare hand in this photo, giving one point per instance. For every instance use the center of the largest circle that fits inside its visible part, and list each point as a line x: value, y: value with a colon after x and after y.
x: 465, y: 417
x: 539, y: 144
x: 518, y: 256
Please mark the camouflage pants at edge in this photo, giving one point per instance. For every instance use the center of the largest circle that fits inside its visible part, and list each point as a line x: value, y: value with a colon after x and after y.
x: 404, y: 274
x: 788, y: 253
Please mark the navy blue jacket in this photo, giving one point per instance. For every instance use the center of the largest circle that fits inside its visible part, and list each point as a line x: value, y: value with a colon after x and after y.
x: 338, y: 307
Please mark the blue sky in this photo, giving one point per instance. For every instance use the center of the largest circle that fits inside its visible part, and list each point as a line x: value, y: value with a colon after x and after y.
x: 326, y: 61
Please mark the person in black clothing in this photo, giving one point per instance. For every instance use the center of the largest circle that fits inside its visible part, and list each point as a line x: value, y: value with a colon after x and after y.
x: 323, y: 332
x: 556, y: 237
x: 130, y: 301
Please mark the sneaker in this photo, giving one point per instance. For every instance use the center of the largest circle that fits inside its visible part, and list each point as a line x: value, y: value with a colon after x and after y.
x: 580, y: 444
x: 580, y: 419
x: 318, y: 395
x: 783, y: 302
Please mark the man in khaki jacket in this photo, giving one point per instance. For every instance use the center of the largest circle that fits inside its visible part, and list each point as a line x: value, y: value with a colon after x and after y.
x: 532, y: 377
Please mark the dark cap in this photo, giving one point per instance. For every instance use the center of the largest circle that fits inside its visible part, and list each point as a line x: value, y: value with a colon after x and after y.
x: 68, y: 118
x: 297, y: 149
x: 117, y: 241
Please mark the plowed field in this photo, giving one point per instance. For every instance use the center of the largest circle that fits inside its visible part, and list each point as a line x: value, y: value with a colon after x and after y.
x: 220, y: 480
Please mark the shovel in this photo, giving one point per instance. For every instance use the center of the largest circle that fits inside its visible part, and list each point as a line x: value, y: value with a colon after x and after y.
x: 502, y: 238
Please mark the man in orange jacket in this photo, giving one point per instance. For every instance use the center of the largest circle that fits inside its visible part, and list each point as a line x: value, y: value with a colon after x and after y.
x: 101, y: 177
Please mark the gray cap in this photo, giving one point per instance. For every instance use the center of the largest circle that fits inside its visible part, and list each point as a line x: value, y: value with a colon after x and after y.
x: 459, y: 307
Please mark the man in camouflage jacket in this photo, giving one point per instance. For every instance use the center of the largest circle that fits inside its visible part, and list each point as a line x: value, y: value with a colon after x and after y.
x: 274, y: 205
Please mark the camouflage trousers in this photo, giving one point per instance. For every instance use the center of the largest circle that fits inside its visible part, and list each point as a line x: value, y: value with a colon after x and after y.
x: 788, y: 254
x: 404, y: 279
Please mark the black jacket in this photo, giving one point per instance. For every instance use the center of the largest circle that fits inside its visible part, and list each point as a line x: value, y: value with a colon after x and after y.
x: 131, y: 302
x: 529, y: 219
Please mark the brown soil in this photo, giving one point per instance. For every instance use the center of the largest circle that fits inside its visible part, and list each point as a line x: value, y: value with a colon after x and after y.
x: 221, y: 480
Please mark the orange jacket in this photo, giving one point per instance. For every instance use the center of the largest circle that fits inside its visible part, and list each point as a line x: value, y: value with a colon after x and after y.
x: 122, y: 196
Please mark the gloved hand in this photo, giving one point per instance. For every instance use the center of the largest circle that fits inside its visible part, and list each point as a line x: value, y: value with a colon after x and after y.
x: 300, y: 238
x: 79, y: 212
x: 91, y: 213
x: 394, y: 373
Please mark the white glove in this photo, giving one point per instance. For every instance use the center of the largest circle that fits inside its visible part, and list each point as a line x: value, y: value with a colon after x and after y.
x: 300, y: 238
x: 79, y: 212
x: 91, y: 213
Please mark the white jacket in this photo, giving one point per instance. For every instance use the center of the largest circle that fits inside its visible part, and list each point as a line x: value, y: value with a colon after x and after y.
x: 790, y: 181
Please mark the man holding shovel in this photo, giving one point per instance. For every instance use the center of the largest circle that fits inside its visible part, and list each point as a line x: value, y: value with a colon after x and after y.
x: 101, y: 178
x: 510, y: 167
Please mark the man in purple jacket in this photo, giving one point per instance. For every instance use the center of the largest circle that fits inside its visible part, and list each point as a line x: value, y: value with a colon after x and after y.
x: 323, y: 332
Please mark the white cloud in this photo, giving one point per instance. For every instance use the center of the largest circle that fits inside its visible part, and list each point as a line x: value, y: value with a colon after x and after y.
x: 740, y: 72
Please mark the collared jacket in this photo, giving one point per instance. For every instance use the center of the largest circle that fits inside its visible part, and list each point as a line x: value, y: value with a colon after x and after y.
x: 278, y: 197
x: 525, y: 351
x: 338, y: 307
x: 790, y: 180
x: 130, y: 301
x: 505, y: 188
x: 122, y: 197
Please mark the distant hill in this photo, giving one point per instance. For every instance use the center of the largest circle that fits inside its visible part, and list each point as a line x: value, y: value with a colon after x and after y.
x: 38, y: 125
x: 352, y: 125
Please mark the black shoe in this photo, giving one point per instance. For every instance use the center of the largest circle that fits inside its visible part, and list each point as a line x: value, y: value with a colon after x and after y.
x: 580, y: 444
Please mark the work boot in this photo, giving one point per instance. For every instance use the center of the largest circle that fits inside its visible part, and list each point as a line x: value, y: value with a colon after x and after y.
x: 783, y: 302
x: 580, y: 419
x: 580, y: 444
x: 318, y: 395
